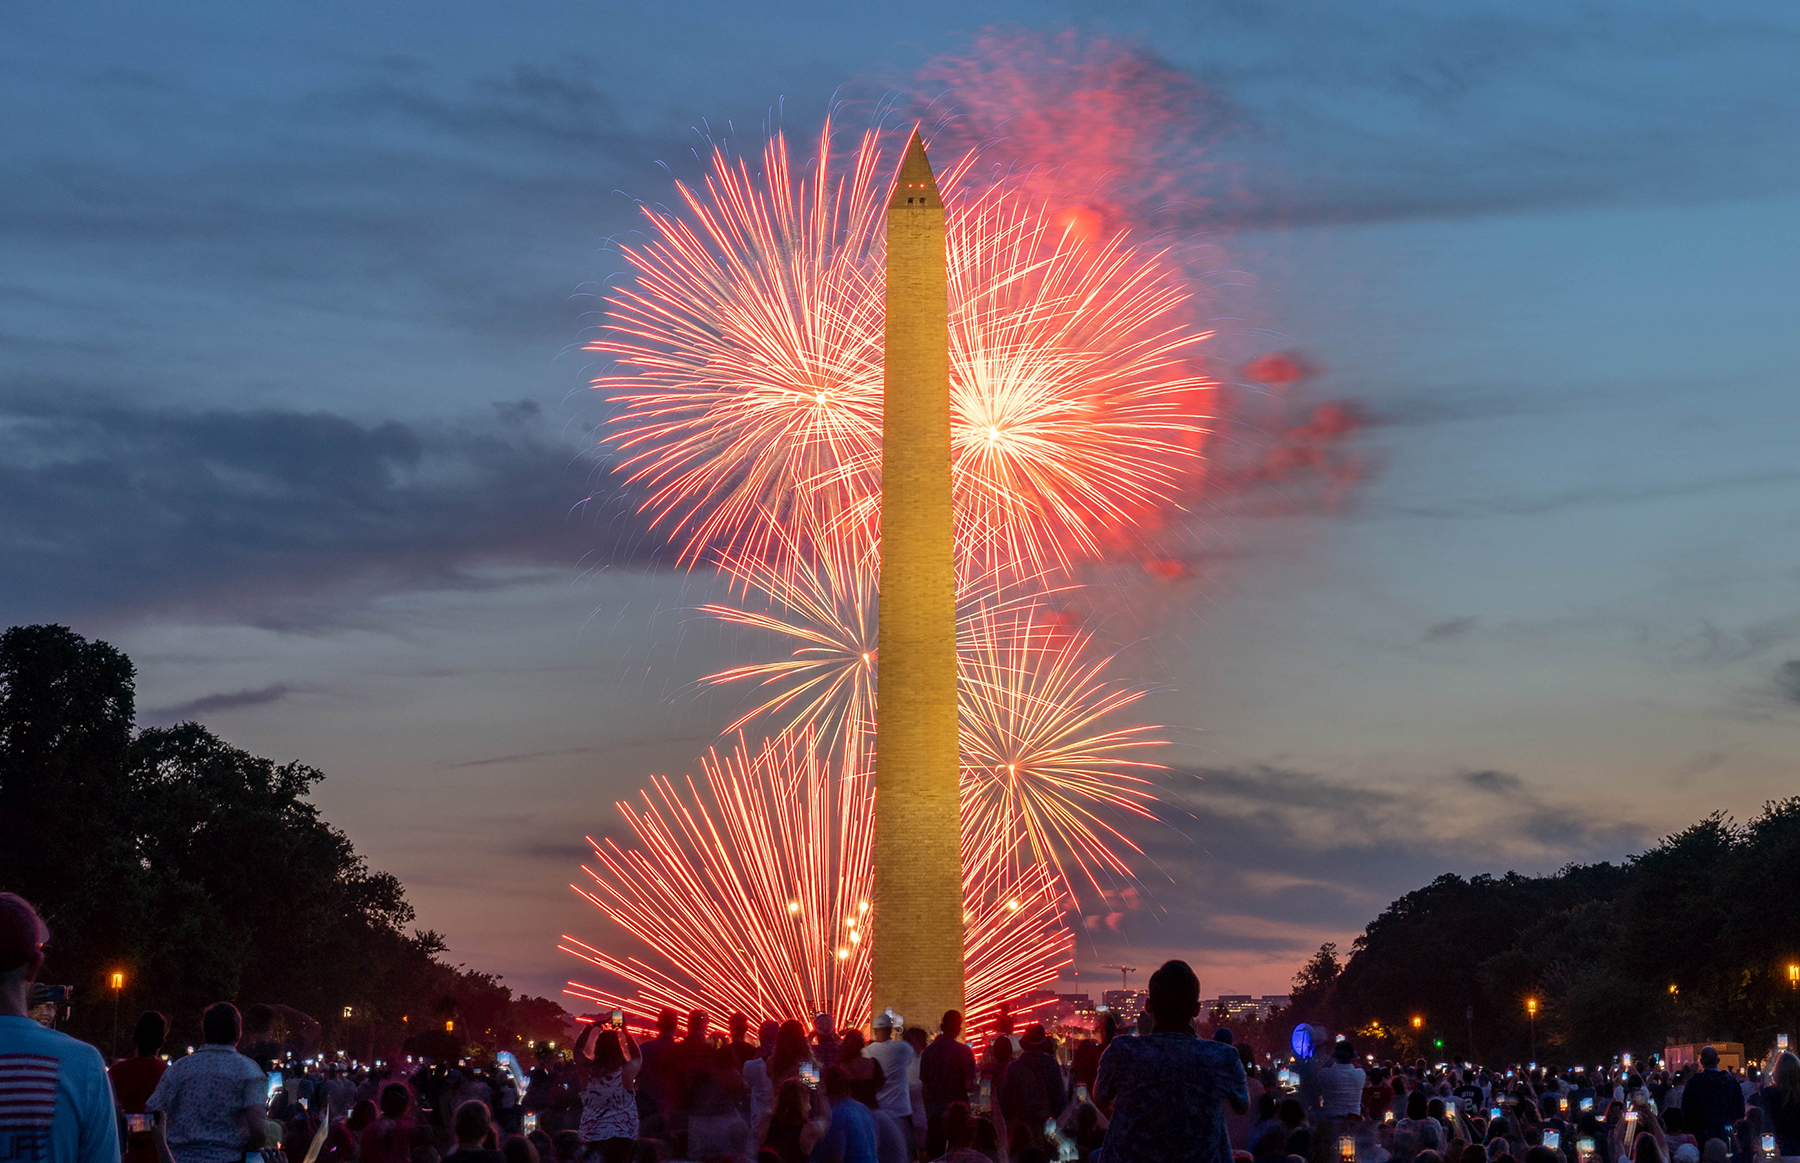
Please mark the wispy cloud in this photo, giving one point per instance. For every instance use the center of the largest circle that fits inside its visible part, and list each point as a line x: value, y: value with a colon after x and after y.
x: 225, y: 701
x: 1321, y: 855
x: 1385, y: 112
x: 282, y: 517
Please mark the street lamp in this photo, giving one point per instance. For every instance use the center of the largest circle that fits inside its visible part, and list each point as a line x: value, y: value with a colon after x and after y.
x: 1531, y: 1013
x: 117, y: 981
x: 1794, y: 980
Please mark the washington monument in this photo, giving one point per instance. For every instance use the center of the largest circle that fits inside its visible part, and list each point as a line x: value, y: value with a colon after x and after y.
x: 918, y: 926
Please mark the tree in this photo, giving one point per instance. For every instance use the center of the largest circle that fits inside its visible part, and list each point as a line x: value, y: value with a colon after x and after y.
x: 66, y: 708
x: 1687, y: 941
x: 202, y: 871
x: 1311, y: 995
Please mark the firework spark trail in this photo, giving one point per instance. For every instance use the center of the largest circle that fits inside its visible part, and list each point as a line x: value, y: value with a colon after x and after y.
x: 1043, y: 776
x: 756, y: 895
x: 748, y: 376
x: 1037, y: 758
x: 825, y: 606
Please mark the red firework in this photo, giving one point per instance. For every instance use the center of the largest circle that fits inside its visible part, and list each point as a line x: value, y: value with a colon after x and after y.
x: 753, y: 895
x: 748, y: 368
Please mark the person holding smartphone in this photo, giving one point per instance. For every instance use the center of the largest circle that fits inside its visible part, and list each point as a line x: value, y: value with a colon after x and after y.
x: 135, y: 1079
x: 607, y: 1076
x: 1780, y: 1103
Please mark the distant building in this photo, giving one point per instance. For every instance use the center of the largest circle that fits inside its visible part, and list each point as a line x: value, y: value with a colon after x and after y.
x: 1243, y: 1007
x: 1232, y: 1007
x: 1080, y: 1004
x: 1125, y: 1004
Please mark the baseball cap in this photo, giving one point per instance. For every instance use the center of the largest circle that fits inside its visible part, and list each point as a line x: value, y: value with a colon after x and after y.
x: 22, y: 932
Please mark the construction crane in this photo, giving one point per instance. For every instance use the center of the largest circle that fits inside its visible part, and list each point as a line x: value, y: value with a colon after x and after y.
x: 1125, y: 972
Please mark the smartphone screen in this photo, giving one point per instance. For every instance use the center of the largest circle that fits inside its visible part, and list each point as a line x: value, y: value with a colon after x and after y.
x: 1587, y: 1105
x: 1585, y: 1146
x: 274, y: 1084
x: 809, y: 1074
x: 1553, y: 1139
x: 1347, y: 1149
x: 1081, y: 1092
x: 618, y: 1019
x: 531, y: 1123
x: 137, y: 1123
x: 1493, y: 1112
x: 1768, y: 1144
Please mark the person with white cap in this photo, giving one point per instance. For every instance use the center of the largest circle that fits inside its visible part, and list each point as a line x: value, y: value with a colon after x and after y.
x: 896, y: 1059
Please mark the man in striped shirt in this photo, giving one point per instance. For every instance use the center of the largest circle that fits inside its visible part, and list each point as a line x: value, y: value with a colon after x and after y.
x: 56, y: 1105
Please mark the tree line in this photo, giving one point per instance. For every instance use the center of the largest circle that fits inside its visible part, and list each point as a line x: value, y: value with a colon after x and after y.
x: 200, y: 872
x: 1695, y: 940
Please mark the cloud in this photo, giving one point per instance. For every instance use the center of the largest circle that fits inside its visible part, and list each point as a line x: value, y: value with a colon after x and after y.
x: 1493, y: 782
x: 1787, y: 680
x: 279, y: 517
x: 1373, y: 113
x: 1266, y: 861
x: 1454, y: 628
x: 503, y: 760
x: 1594, y: 495
x: 227, y: 701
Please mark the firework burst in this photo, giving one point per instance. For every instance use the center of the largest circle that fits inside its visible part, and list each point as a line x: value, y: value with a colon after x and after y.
x: 746, y: 387
x: 1074, y: 408
x: 754, y: 895
x: 1038, y: 759
x: 748, y: 369
x: 750, y: 350
x: 1044, y: 776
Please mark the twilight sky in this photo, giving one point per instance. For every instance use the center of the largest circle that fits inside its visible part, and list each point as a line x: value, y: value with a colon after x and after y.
x: 291, y: 409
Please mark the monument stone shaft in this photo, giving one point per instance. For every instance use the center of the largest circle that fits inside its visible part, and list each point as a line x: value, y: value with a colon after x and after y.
x: 918, y: 908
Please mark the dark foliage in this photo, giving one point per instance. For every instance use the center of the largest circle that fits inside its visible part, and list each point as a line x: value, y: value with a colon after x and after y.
x: 201, y: 872
x: 1689, y: 941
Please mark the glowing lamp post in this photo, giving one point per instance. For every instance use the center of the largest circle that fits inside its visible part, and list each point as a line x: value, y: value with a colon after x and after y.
x: 117, y: 981
x: 1531, y: 1013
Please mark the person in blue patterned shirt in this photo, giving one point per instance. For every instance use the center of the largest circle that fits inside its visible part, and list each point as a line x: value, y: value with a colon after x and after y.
x: 1164, y: 1091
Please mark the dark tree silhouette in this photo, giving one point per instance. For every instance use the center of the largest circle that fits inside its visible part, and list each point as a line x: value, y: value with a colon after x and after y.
x: 203, y: 873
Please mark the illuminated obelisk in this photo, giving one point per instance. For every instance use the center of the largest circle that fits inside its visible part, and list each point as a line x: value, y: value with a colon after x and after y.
x: 917, y: 928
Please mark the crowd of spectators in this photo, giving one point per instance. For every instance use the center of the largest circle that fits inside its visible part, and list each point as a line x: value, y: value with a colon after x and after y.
x: 790, y: 1093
